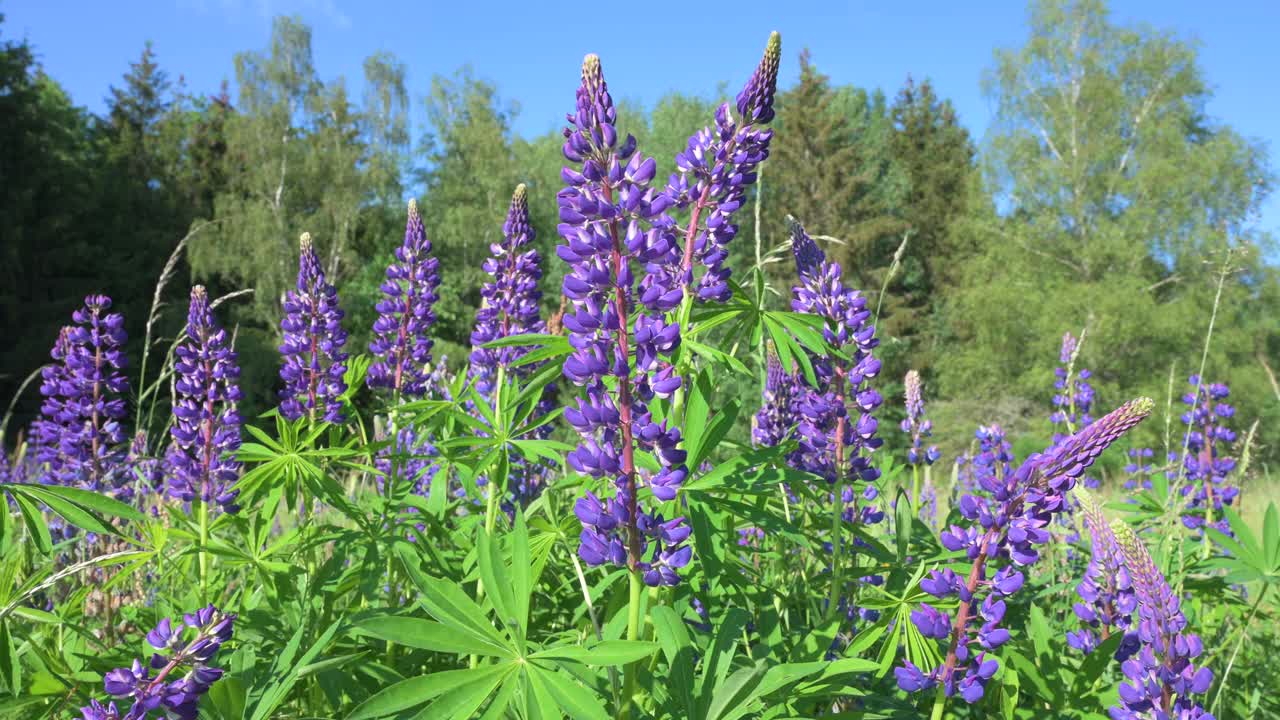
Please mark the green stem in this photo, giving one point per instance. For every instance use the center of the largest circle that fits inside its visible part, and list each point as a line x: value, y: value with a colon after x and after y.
x: 633, y: 634
x: 837, y: 505
x: 1244, y: 632
x: 915, y: 488
x: 204, y: 556
x: 939, y: 702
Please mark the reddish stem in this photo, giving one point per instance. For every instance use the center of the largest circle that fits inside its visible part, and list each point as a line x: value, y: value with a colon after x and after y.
x: 692, y: 231
x: 624, y: 392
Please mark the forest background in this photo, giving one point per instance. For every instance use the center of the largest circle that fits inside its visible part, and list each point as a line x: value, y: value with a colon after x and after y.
x: 1104, y: 198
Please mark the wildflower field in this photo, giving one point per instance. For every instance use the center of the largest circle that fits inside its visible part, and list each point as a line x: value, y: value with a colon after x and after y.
x: 687, y: 488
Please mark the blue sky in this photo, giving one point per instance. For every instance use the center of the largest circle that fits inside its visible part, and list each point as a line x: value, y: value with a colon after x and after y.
x: 532, y: 50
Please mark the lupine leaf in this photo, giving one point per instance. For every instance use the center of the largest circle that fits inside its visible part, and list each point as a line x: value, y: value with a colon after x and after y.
x: 418, y: 690
x: 606, y: 652
x: 428, y: 635
x: 576, y: 700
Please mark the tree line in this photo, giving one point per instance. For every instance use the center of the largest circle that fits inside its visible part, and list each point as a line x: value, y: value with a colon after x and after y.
x: 1105, y: 198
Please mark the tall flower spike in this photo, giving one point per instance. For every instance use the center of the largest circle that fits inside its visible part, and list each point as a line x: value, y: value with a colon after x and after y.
x: 620, y: 249
x: 713, y: 174
x: 1073, y: 395
x: 401, y: 342
x: 775, y: 421
x: 206, y: 427
x: 314, y: 362
x: 1162, y: 677
x: 1206, y: 465
x: 916, y: 425
x: 1106, y: 593
x: 837, y: 427
x: 510, y: 299
x: 79, y: 435
x: 1007, y: 520
x: 510, y: 307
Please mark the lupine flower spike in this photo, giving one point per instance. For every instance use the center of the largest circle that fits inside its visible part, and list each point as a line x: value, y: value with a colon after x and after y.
x: 201, y: 460
x: 171, y: 692
x: 1008, y: 520
x: 1162, y: 678
x: 620, y: 249
x: 1106, y: 592
x: 401, y: 342
x: 836, y: 427
x: 1207, y: 467
x: 79, y: 436
x: 918, y: 427
x: 511, y: 298
x: 775, y: 421
x: 714, y: 172
x: 314, y: 362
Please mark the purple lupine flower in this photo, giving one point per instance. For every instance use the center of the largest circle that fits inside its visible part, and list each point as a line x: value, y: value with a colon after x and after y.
x: 147, y: 485
x: 1107, y: 596
x: 775, y: 421
x: 1206, y: 465
x: 620, y: 248
x: 1139, y: 469
x: 916, y: 424
x: 1162, y: 677
x: 994, y: 453
x: 79, y: 436
x: 714, y: 172
x: 201, y: 460
x: 836, y: 427
x: 510, y: 299
x: 405, y: 314
x: 314, y: 362
x: 1007, y: 520
x: 929, y: 503
x: 165, y: 693
x: 1072, y: 398
x: 510, y: 308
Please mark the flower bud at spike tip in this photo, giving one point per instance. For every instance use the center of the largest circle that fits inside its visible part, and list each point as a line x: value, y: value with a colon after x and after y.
x: 304, y: 242
x: 755, y: 102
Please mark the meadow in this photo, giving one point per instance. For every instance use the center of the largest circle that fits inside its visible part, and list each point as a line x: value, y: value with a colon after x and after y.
x: 676, y: 494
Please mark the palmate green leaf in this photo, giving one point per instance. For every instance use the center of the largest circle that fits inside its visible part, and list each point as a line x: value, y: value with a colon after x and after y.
x: 678, y: 649
x: 497, y: 583
x: 716, y: 356
x: 462, y: 702
x: 737, y: 695
x: 37, y: 528
x: 697, y: 411
x: 429, y: 635
x: 1096, y: 663
x: 1271, y: 535
x: 332, y: 663
x: 73, y: 513
x: 447, y: 602
x: 719, y: 426
x: 97, y: 502
x: 544, y: 339
x: 605, y: 652
x: 287, y: 672
x: 418, y: 690
x: 10, y: 666
x: 1030, y: 671
x: 497, y: 708
x: 904, y: 519
x: 719, y: 659
x: 577, y: 701
x: 522, y: 579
